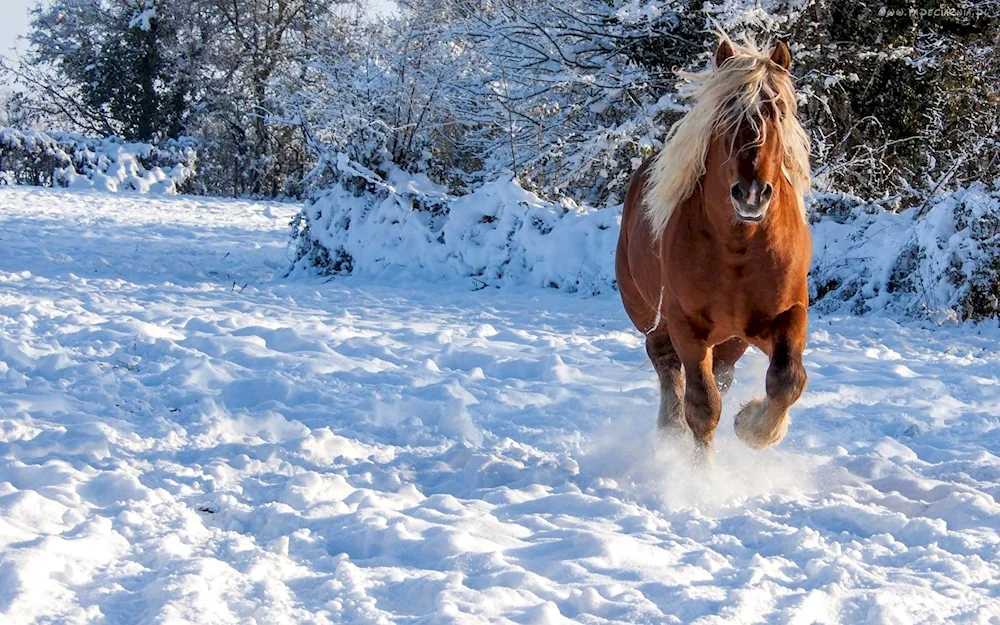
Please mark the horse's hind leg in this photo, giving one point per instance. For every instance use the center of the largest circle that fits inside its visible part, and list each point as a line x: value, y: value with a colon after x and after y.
x: 764, y: 422
x: 724, y: 357
x: 668, y: 370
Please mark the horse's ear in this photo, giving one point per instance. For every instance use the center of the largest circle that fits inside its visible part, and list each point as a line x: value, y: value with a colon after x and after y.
x: 724, y: 52
x: 781, y: 56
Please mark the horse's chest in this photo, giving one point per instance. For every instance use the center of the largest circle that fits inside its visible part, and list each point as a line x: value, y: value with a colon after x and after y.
x: 739, y: 296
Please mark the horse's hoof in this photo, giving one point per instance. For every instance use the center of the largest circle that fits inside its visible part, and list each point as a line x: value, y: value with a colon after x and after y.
x: 758, y: 429
x: 703, y: 455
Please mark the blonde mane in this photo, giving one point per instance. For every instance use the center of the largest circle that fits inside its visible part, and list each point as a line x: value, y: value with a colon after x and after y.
x: 724, y: 96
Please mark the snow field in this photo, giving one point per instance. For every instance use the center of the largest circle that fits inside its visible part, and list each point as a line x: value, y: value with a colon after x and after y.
x: 186, y: 437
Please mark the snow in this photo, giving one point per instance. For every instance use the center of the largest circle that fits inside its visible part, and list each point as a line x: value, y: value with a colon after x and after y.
x: 143, y: 19
x: 188, y: 437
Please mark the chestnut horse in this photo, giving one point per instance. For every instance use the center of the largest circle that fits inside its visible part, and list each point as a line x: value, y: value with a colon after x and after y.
x: 714, y: 247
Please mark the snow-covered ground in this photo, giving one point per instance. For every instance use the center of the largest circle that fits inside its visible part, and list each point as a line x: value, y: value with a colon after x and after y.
x: 187, y: 437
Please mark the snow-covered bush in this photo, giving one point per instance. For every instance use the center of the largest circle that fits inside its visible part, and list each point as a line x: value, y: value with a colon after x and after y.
x: 939, y: 260
x: 498, y: 234
x: 62, y: 159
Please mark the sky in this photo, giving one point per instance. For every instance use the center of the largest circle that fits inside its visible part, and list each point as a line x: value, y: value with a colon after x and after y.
x: 14, y: 23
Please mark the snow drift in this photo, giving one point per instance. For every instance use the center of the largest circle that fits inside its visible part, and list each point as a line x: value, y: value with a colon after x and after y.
x: 64, y: 159
x: 939, y: 260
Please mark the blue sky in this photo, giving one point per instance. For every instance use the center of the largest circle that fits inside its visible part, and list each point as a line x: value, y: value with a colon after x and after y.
x: 14, y: 23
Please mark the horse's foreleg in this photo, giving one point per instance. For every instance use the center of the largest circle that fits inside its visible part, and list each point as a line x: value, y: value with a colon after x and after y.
x: 702, y: 399
x: 764, y: 422
x: 668, y: 369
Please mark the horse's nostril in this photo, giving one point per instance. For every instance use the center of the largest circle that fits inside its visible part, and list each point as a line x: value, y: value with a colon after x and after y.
x: 738, y: 193
x: 766, y: 193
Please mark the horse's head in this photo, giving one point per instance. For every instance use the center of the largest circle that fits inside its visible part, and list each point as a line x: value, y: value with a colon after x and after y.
x: 741, y: 139
x: 747, y: 153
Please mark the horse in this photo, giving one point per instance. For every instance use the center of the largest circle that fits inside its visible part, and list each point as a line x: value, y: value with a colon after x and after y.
x: 714, y: 247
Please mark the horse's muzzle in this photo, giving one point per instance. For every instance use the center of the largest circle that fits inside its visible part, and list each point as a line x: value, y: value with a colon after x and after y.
x: 750, y: 200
